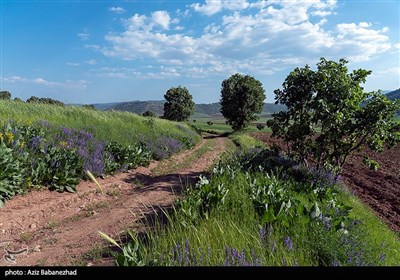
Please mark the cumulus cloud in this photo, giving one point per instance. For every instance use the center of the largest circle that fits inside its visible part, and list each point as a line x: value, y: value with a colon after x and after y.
x: 117, y: 10
x: 212, y: 7
x: 259, y: 37
x: 354, y: 37
x: 161, y: 18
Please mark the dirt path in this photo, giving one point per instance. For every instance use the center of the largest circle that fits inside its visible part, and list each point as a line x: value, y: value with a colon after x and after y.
x: 58, y: 228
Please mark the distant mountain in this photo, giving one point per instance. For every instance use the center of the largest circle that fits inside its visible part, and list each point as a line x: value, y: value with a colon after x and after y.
x: 105, y: 106
x: 139, y: 107
x: 157, y: 106
x: 394, y: 94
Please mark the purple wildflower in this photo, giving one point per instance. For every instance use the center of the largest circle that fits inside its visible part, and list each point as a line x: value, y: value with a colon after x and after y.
x: 288, y: 243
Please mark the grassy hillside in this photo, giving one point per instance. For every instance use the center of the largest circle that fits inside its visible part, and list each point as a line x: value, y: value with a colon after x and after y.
x: 51, y: 146
x: 139, y: 107
x: 123, y: 127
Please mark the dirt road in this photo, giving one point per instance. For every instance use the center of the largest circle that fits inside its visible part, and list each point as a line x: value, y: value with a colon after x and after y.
x: 61, y: 228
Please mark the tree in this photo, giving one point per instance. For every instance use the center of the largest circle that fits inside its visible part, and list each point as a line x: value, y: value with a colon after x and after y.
x: 89, y: 107
x: 149, y: 113
x: 5, y: 95
x: 260, y: 126
x: 242, y: 99
x: 45, y: 100
x: 179, y: 105
x: 329, y: 116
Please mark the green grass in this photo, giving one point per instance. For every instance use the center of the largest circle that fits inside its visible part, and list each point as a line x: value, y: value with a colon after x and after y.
x: 375, y: 231
x: 245, y: 141
x: 169, y: 166
x: 123, y: 127
x: 230, y: 232
x: 219, y: 125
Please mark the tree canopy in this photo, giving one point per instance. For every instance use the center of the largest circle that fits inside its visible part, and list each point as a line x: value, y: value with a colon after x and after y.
x: 329, y: 115
x: 5, y: 95
x: 242, y: 100
x: 179, y: 105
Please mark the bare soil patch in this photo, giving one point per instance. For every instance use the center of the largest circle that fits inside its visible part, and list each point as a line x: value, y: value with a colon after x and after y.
x: 379, y: 189
x: 59, y: 228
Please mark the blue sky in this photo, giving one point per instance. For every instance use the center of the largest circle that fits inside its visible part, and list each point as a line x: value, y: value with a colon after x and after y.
x: 111, y: 51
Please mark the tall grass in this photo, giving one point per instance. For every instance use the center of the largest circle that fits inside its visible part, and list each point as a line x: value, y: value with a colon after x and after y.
x: 123, y: 127
x: 217, y: 223
x: 245, y: 141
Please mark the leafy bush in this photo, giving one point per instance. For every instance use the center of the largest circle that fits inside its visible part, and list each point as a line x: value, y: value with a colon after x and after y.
x: 127, y: 157
x: 45, y: 155
x: 11, y: 178
x: 260, y: 126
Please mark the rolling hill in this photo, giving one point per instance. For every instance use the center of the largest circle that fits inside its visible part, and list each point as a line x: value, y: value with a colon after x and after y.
x: 157, y: 106
x: 394, y: 94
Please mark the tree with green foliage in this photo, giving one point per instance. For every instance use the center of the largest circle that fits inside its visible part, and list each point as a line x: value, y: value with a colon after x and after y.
x: 179, y: 105
x: 149, y: 113
x: 329, y: 116
x: 5, y: 95
x: 45, y: 100
x: 242, y: 100
x: 89, y: 107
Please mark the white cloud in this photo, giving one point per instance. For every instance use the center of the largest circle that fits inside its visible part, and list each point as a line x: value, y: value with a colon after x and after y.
x: 161, y: 18
x: 388, y: 71
x: 360, y: 41
x: 79, y: 84
x: 91, y: 62
x: 321, y: 13
x: 84, y: 35
x: 209, y: 8
x: 117, y: 10
x: 212, y: 7
x: 262, y: 37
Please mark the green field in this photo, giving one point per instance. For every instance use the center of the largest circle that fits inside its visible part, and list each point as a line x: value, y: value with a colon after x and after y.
x: 219, y: 125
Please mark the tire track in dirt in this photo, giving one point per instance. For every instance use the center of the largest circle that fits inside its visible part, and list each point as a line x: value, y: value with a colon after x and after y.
x: 59, y: 227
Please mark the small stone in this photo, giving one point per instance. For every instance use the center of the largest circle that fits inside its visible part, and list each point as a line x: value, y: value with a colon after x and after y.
x: 89, y: 264
x: 37, y: 248
x: 32, y: 226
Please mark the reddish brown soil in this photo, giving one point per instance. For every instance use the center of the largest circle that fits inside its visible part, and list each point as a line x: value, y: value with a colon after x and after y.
x: 379, y: 189
x: 59, y: 228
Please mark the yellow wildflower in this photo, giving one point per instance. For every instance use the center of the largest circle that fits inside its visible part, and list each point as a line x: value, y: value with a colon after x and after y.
x: 9, y: 136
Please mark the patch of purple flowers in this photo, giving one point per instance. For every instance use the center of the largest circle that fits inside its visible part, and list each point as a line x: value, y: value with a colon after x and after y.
x: 88, y: 148
x: 288, y: 243
x: 163, y: 147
